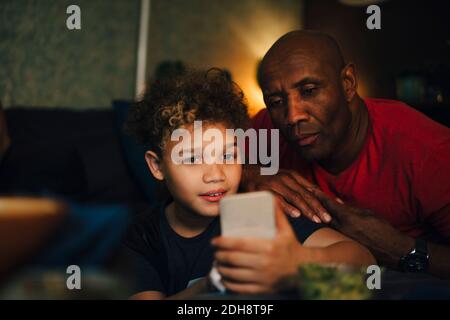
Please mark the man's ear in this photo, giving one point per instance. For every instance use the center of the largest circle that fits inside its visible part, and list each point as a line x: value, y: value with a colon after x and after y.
x: 154, y: 164
x: 349, y: 82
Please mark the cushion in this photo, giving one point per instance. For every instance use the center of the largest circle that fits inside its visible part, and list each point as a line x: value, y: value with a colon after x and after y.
x: 134, y: 153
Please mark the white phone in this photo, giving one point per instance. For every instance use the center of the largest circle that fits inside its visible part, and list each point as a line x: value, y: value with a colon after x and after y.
x: 248, y: 215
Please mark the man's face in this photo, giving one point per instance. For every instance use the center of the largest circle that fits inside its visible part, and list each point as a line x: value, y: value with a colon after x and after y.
x: 306, y: 102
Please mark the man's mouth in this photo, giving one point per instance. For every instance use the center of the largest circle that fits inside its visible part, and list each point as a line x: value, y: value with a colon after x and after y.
x: 307, y: 139
x: 213, y: 195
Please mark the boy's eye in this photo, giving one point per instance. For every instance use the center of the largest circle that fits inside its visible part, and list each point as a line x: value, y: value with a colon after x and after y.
x: 193, y: 159
x: 229, y: 155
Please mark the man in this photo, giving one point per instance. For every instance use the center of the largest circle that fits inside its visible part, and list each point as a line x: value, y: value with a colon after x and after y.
x: 376, y: 170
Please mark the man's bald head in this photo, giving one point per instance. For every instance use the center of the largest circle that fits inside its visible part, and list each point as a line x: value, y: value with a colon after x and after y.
x: 309, y: 92
x: 316, y: 44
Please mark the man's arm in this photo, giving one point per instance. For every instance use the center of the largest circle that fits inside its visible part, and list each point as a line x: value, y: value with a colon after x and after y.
x: 386, y: 243
x: 329, y: 246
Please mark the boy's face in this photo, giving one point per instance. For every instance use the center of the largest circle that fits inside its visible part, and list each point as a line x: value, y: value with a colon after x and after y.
x: 198, y: 183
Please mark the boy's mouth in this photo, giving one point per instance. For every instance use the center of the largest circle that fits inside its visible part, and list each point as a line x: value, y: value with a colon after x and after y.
x: 213, y: 195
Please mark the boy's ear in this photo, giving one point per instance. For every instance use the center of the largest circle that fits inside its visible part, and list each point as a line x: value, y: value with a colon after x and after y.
x: 154, y: 164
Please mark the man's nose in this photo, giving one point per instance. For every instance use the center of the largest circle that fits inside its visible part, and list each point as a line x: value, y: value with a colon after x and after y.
x: 295, y: 110
x: 213, y: 173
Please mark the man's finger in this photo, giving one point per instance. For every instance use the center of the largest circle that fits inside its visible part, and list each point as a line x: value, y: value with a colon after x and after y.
x: 277, y: 190
x: 321, y: 213
x: 280, y: 187
x: 306, y: 195
x: 281, y: 221
x: 287, y: 208
x: 292, y: 197
x: 295, y: 198
x: 303, y: 181
x: 331, y: 204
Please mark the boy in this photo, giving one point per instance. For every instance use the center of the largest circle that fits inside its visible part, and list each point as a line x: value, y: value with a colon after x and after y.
x: 171, y: 246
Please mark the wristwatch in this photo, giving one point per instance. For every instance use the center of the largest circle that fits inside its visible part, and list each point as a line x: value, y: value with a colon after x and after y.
x: 417, y: 259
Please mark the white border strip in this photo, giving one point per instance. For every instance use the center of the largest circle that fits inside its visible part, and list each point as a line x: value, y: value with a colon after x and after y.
x: 142, y: 48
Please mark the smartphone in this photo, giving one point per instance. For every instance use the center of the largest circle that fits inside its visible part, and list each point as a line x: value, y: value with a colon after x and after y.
x: 248, y: 215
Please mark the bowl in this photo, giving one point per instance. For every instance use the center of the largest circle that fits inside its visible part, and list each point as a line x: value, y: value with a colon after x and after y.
x: 332, y: 282
x: 25, y: 224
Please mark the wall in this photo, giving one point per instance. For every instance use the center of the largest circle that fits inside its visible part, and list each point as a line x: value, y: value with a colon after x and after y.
x: 42, y: 63
x: 228, y: 34
x: 414, y: 36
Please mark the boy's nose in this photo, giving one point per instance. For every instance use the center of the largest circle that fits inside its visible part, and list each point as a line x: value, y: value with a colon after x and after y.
x: 213, y: 173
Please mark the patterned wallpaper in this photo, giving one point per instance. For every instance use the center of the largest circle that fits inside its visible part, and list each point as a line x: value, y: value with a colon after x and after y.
x: 42, y: 63
x: 45, y: 64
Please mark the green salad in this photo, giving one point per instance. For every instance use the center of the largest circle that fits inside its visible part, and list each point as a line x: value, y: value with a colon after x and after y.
x: 317, y: 282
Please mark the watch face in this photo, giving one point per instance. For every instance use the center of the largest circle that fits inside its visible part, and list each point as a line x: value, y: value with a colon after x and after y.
x: 415, y: 263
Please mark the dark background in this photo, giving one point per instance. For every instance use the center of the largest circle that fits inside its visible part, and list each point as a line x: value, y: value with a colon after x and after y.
x: 414, y: 40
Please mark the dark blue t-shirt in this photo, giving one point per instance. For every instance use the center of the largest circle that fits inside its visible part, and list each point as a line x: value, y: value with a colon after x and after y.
x: 164, y: 261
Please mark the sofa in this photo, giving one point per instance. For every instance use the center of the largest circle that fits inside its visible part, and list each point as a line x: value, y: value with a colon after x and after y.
x: 81, y: 156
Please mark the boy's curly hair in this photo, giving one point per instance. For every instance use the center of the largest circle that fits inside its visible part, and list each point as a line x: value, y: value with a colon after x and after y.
x: 170, y: 103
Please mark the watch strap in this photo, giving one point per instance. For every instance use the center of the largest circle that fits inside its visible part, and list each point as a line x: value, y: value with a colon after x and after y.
x: 421, y: 247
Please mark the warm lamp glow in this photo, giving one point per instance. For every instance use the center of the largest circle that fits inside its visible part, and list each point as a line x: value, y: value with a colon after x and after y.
x: 262, y: 28
x: 255, y: 35
x: 254, y: 97
x: 363, y: 91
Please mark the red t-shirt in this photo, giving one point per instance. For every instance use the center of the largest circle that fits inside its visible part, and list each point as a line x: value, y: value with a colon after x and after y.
x: 402, y: 173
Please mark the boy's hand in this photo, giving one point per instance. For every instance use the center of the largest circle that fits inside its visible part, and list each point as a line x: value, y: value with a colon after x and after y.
x: 255, y: 265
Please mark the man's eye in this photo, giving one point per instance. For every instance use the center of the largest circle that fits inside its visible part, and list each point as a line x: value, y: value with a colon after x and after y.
x: 275, y: 102
x: 309, y: 92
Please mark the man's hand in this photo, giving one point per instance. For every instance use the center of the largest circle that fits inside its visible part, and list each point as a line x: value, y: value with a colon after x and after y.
x: 295, y: 193
x: 340, y: 212
x: 250, y: 265
x: 385, y: 241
